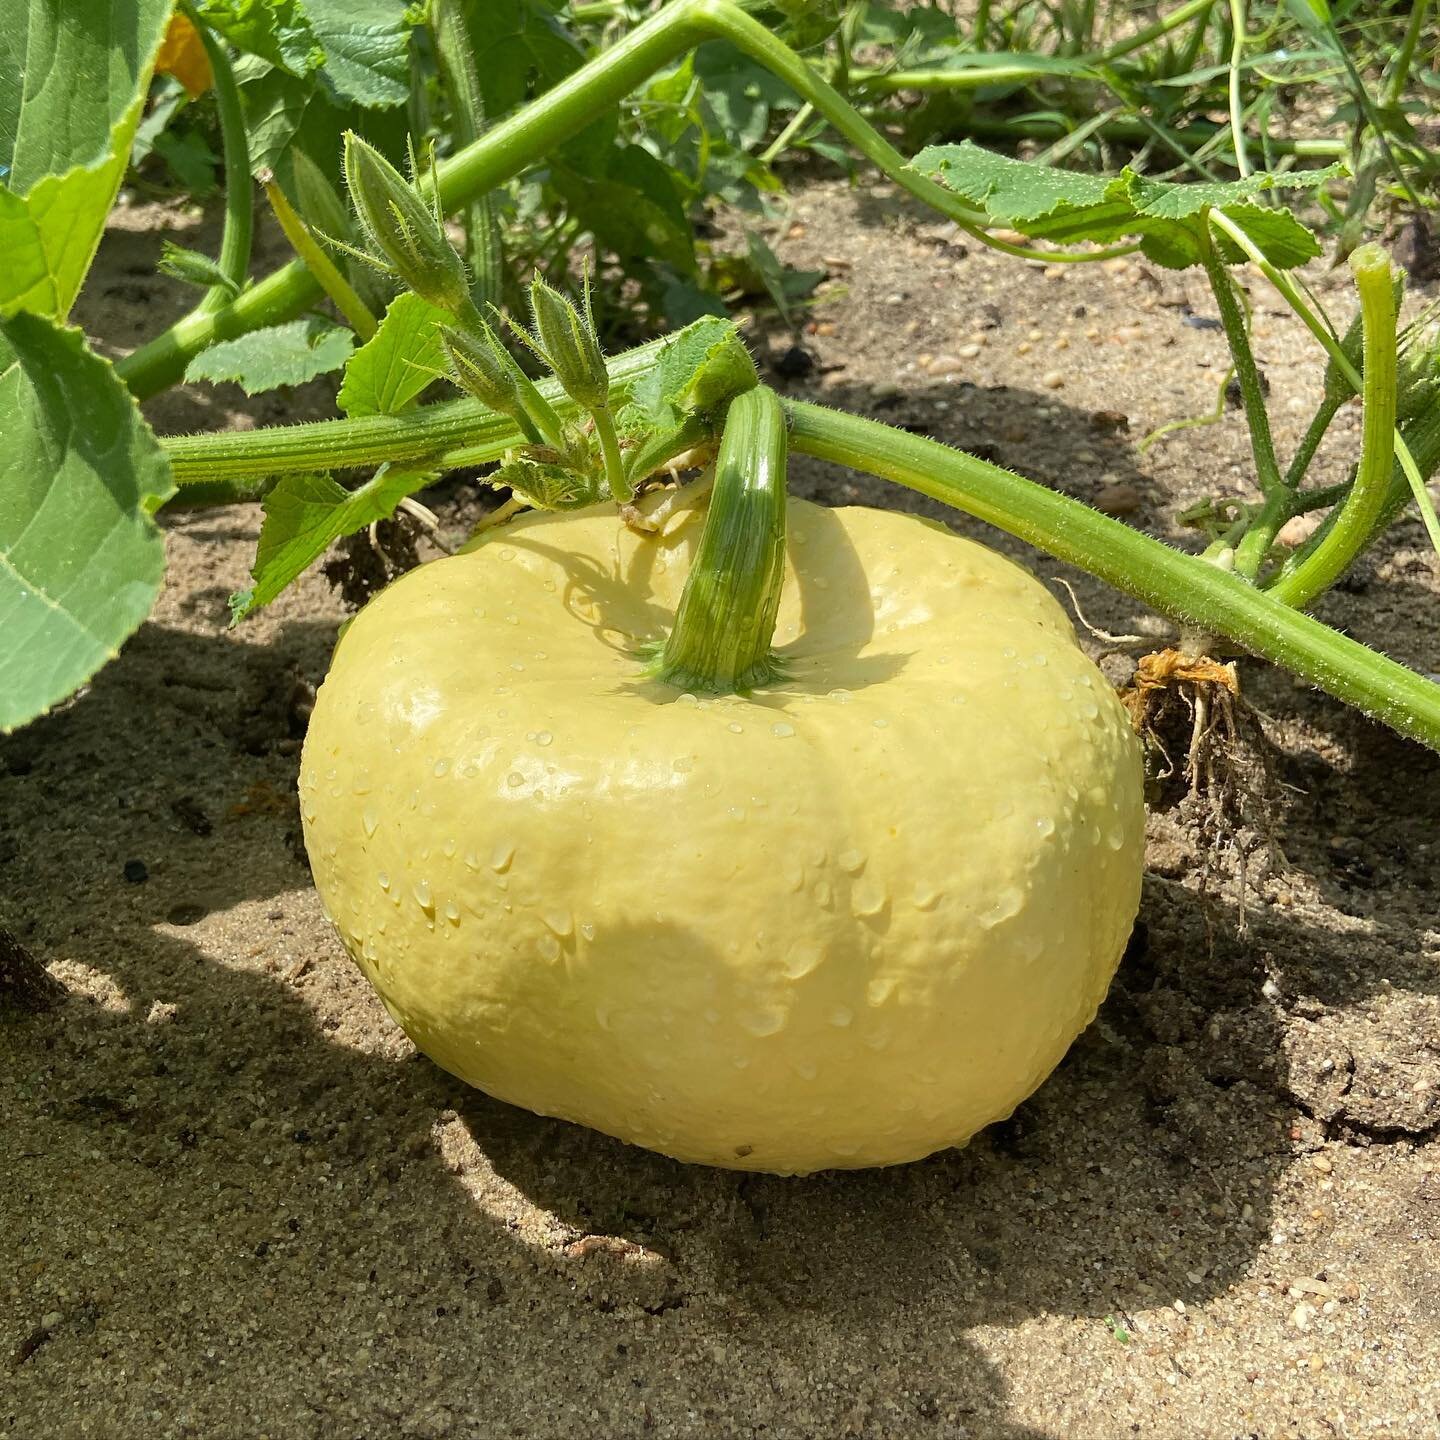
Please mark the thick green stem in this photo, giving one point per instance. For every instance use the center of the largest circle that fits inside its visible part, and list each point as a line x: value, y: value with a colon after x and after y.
x: 1355, y: 524
x: 1187, y: 589
x: 536, y: 129
x: 725, y: 625
x: 447, y: 436
x: 239, y: 230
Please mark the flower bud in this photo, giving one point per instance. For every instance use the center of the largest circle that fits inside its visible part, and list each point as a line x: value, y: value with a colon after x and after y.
x: 480, y: 366
x: 402, y: 227
x: 565, y: 340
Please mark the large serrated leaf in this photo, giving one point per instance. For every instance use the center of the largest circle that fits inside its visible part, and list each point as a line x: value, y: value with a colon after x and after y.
x: 81, y: 475
x: 288, y: 354
x: 304, y: 514
x: 360, y: 46
x: 75, y: 83
x: 391, y: 368
x: 698, y: 369
x: 1064, y: 205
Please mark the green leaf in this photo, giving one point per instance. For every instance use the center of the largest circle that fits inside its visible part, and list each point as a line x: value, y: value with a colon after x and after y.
x: 360, y: 46
x: 781, y: 284
x: 81, y: 69
x: 288, y: 354
x: 391, y: 368
x: 304, y: 514
x: 74, y: 89
x: 1064, y: 205
x: 698, y: 369
x: 81, y: 559
x: 520, y: 46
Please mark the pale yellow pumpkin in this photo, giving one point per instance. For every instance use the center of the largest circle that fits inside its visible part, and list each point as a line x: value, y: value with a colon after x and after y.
x: 847, y: 920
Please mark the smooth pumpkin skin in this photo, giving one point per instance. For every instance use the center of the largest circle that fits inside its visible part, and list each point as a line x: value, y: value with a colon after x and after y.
x: 845, y: 921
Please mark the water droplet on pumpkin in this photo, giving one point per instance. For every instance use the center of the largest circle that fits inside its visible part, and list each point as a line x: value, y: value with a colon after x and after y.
x: 868, y: 898
x: 514, y: 779
x: 763, y: 1020
x: 1045, y: 825
x: 544, y: 737
x: 441, y: 766
x: 879, y: 990
x: 452, y: 912
x: 735, y: 728
x: 781, y: 729
x: 501, y: 856
x: 823, y: 894
x: 587, y: 930
x: 925, y: 897
x: 421, y: 891
x: 880, y: 722
x: 802, y: 960
x: 384, y: 878
x: 1007, y: 903
x: 841, y: 1016
x: 682, y: 765
x: 560, y: 921
x: 549, y: 947
x: 370, y: 820
x: 851, y: 861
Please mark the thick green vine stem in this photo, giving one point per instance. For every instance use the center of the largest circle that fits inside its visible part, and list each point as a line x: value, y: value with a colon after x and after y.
x: 1355, y: 524
x: 726, y: 621
x: 1183, y: 587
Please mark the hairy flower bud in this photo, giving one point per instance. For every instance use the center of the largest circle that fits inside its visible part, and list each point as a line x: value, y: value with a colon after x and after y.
x: 403, y: 228
x: 480, y: 366
x: 565, y: 339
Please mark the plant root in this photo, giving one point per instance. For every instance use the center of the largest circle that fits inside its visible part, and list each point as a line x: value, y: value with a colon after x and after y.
x: 1223, y: 794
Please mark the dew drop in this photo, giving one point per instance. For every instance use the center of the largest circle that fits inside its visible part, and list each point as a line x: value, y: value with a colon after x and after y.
x: 841, y: 1016
x: 449, y: 848
x: 926, y: 897
x: 549, y: 947
x: 441, y: 766
x: 501, y: 856
x: 587, y: 930
x: 384, y: 878
x: 544, y: 738
x: 851, y: 861
x: 879, y: 990
x: 452, y: 912
x: 763, y: 1020
x: 560, y: 921
x: 1045, y: 825
x: 823, y: 894
x: 682, y: 765
x: 880, y: 722
x: 868, y: 899
x: 1007, y: 903
x: 802, y: 960
x: 421, y: 891
x: 735, y: 728
x: 370, y: 820
x: 514, y: 779
x: 783, y: 730
x: 472, y: 860
x: 805, y: 1069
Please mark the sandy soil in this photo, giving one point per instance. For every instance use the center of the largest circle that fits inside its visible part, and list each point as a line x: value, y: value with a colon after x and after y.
x: 235, y: 1202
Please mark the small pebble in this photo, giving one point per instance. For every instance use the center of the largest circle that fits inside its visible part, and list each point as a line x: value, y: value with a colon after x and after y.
x: 1052, y: 379
x: 136, y: 872
x: 1118, y: 499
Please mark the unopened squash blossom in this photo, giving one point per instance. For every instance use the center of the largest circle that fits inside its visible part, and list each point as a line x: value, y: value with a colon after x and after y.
x: 830, y: 869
